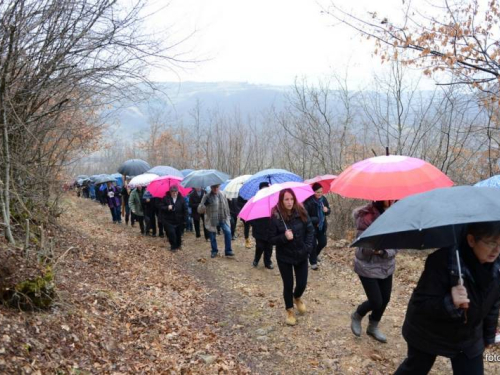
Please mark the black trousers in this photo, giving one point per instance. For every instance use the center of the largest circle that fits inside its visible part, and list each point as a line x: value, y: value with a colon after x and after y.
x: 246, y: 229
x: 420, y: 363
x: 150, y: 218
x: 140, y: 220
x: 234, y: 220
x: 263, y: 247
x: 319, y: 244
x: 378, y: 292
x: 197, y: 226
x: 286, y: 271
x: 174, y: 233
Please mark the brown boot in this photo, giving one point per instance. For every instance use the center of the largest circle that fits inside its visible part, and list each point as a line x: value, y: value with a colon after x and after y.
x: 300, y: 306
x: 248, y: 245
x: 290, y: 317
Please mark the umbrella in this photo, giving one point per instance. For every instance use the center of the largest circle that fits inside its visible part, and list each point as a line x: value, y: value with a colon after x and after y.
x: 204, y: 177
x: 325, y: 181
x: 389, y: 177
x: 165, y: 170
x: 432, y: 219
x: 95, y: 177
x: 490, y: 182
x: 262, y: 203
x: 104, y: 178
x: 82, y: 177
x: 119, y: 178
x: 233, y: 187
x: 223, y: 186
x: 185, y: 172
x: 272, y: 176
x: 159, y: 186
x: 142, y: 180
x: 134, y: 167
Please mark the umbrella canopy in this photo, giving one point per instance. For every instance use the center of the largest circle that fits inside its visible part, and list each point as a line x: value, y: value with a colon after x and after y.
x: 185, y: 172
x: 263, y: 202
x: 165, y: 170
x: 325, y: 181
x: 389, y: 177
x: 142, y: 180
x: 432, y: 219
x: 95, y: 177
x: 134, y: 167
x: 272, y: 176
x: 159, y: 186
x: 81, y: 177
x: 233, y: 187
x: 204, y: 177
x: 490, y: 182
x: 104, y: 178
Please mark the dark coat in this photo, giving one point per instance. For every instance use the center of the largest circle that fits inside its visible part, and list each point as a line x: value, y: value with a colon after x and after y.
x: 297, y: 250
x: 113, y: 197
x: 178, y: 215
x: 260, y: 228
x: 433, y: 324
x: 312, y: 210
x: 194, y: 202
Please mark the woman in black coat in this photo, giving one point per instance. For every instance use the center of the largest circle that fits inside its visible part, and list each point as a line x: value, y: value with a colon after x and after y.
x: 318, y: 209
x: 173, y: 216
x: 451, y: 320
x: 293, y: 234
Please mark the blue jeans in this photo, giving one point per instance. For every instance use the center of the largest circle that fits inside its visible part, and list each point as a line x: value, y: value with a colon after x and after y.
x: 227, y: 239
x: 116, y: 214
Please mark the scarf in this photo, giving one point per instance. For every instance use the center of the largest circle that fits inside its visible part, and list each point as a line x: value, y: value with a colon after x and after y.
x: 481, y: 273
x: 321, y: 214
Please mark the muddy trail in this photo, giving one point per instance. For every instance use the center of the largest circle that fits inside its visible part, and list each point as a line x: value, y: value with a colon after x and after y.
x: 129, y: 305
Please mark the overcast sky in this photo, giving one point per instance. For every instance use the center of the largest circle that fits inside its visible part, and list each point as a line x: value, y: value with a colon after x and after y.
x: 268, y: 41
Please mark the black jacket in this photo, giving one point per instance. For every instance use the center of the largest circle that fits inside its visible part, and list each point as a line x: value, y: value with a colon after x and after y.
x: 194, y: 202
x: 433, y: 324
x: 312, y: 211
x: 178, y: 215
x: 260, y: 228
x: 296, y: 250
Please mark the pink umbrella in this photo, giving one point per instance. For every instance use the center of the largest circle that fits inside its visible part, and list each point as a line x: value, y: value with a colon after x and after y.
x: 159, y: 186
x: 263, y: 202
x: 325, y: 181
x: 389, y: 177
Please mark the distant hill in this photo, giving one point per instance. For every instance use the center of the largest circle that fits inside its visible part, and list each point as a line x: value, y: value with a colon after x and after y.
x: 130, y: 117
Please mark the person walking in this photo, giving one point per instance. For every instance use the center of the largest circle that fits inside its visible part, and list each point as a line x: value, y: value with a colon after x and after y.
x: 214, y: 205
x: 246, y: 225
x: 112, y: 195
x: 126, y: 213
x: 450, y: 318
x: 136, y: 207
x: 195, y: 198
x: 375, y: 269
x: 292, y: 232
x: 173, y: 216
x: 148, y: 204
x: 260, y: 231
x: 318, y: 209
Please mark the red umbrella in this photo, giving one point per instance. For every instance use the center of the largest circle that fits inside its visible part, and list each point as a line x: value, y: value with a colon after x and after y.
x: 389, y: 177
x: 325, y: 181
x: 159, y: 186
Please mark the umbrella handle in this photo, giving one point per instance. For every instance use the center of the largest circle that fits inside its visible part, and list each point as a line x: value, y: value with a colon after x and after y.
x: 283, y: 220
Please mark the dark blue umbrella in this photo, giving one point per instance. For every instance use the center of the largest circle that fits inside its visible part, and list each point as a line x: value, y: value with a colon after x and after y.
x: 204, y: 177
x: 271, y: 176
x: 433, y: 219
x: 490, y: 182
x: 165, y: 170
x: 104, y: 178
x: 185, y: 172
x: 134, y: 167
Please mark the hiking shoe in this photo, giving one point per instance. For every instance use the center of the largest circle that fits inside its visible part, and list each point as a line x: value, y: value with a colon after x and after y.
x: 231, y: 254
x: 269, y: 266
x: 301, y: 307
x: 374, y: 332
x: 213, y: 255
x: 314, y: 267
x: 255, y: 264
x: 290, y: 317
x: 356, y: 324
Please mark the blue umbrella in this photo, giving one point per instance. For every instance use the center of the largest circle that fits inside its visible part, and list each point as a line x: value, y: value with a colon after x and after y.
x: 165, y: 170
x: 272, y: 176
x: 490, y: 182
x: 185, y: 172
x: 204, y: 177
x: 105, y: 178
x: 223, y: 186
x: 119, y: 178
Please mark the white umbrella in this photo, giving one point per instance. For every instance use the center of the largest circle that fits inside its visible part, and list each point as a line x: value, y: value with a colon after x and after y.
x: 233, y: 187
x: 142, y: 180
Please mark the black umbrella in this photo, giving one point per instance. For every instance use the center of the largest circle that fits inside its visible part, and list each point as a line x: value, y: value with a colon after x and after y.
x: 134, y: 167
x: 433, y: 219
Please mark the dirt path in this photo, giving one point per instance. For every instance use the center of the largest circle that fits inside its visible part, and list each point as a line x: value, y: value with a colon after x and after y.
x: 128, y: 305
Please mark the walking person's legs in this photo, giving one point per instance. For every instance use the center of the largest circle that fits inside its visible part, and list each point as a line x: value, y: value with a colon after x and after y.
x: 213, y: 243
x: 416, y: 363
x: 286, y: 272
x: 321, y: 243
x: 227, y: 238
x: 172, y: 236
x: 313, y: 257
x: 196, y: 224
x: 259, y: 250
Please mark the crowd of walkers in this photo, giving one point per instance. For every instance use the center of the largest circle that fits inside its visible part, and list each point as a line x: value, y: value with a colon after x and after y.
x: 444, y: 318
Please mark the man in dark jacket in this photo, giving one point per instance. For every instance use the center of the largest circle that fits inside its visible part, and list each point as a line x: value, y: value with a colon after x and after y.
x: 260, y: 231
x: 112, y: 194
x: 195, y: 198
x: 452, y: 319
x: 174, y: 214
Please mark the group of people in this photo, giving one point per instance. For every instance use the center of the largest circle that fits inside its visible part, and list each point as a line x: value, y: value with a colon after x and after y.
x: 444, y: 317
